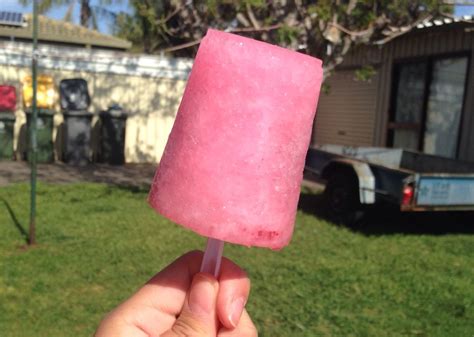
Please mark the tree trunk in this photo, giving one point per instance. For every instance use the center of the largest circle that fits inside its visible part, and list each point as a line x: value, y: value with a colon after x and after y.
x: 86, y: 13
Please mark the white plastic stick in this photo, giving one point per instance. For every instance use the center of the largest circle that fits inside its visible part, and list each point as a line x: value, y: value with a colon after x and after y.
x: 211, y: 262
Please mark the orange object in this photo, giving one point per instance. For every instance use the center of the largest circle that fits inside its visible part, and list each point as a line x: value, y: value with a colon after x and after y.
x: 46, y: 95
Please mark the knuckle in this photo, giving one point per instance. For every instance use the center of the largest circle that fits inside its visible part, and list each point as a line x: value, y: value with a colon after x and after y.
x: 186, y: 329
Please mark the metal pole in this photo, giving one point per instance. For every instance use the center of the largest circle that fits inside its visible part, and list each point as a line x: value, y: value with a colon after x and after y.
x: 34, y: 144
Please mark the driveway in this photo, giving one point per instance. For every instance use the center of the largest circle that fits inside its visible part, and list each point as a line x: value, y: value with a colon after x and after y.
x: 138, y: 175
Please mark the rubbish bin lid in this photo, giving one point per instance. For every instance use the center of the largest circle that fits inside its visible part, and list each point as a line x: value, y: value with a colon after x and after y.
x: 113, y: 114
x: 113, y: 111
x: 116, y: 111
x: 74, y: 94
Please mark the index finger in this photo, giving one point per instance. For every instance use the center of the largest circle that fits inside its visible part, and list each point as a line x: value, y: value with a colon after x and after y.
x: 166, y: 291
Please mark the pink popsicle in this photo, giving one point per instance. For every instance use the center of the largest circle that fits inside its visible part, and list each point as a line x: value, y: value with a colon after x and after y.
x: 233, y: 164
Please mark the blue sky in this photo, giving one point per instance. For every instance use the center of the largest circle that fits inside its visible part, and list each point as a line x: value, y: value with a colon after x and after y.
x: 464, y: 10
x: 59, y: 12
x: 123, y: 6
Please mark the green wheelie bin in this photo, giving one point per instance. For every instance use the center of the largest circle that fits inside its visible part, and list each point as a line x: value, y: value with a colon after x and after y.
x: 7, y: 124
x: 44, y: 135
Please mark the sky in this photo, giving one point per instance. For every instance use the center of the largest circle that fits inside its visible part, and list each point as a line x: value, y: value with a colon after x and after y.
x: 123, y: 6
x: 59, y: 12
x: 464, y: 10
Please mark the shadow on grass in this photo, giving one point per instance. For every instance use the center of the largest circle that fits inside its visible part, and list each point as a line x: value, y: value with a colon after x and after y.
x: 133, y: 175
x: 134, y: 189
x: 387, y: 220
x: 17, y: 223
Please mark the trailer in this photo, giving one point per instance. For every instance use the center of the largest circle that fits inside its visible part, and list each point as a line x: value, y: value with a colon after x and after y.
x: 358, y: 178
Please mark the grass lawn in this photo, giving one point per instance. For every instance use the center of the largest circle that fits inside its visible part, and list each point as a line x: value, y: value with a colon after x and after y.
x: 98, y: 243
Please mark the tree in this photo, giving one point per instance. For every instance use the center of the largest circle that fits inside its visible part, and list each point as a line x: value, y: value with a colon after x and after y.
x: 327, y: 29
x: 88, y: 13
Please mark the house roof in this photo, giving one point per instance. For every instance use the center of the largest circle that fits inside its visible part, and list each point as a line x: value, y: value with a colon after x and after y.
x: 445, y: 21
x: 62, y: 32
x: 394, y: 32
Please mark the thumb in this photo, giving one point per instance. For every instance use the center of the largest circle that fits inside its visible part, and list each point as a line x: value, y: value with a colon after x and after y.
x: 198, y: 317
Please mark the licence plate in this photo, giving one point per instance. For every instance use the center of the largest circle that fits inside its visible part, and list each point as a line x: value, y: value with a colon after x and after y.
x: 445, y: 191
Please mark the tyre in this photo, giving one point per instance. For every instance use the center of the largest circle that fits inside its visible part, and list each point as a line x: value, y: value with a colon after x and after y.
x: 341, y: 198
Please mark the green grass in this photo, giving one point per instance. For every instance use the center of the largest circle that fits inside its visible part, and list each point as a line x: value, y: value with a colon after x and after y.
x: 98, y: 243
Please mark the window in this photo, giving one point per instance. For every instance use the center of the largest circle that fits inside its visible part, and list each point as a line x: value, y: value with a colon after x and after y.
x: 427, y: 104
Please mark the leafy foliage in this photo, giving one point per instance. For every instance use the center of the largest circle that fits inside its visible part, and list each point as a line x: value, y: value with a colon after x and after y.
x: 365, y: 73
x: 324, y: 28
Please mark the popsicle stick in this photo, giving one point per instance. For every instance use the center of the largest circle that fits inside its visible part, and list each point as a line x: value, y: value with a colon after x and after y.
x: 211, y: 262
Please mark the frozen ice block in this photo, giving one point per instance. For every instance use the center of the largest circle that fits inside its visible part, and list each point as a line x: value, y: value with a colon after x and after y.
x: 233, y: 164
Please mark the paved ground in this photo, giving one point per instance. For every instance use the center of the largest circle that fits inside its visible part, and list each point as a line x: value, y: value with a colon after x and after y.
x: 137, y: 175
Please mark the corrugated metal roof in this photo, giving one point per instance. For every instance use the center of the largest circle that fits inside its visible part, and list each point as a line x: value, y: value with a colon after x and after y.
x: 445, y: 21
x: 63, y: 32
x: 395, y: 32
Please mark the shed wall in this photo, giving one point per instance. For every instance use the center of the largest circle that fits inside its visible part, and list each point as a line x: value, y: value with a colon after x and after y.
x: 346, y: 114
x: 435, y: 41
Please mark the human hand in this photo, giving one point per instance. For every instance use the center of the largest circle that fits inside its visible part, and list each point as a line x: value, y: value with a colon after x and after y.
x: 180, y: 301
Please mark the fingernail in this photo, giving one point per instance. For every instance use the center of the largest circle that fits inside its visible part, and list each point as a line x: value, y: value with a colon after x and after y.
x: 236, y: 308
x: 202, y: 295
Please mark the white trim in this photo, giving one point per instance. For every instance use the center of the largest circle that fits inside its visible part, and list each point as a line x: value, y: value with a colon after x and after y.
x: 366, y: 182
x: 95, y: 61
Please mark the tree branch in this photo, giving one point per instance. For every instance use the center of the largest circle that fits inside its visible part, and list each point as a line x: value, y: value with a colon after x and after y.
x: 181, y: 46
x: 173, y: 13
x: 331, y: 65
x: 235, y: 30
x: 242, y: 19
x: 359, y: 33
x: 350, y: 7
x: 252, y: 30
x: 252, y: 18
x: 402, y: 30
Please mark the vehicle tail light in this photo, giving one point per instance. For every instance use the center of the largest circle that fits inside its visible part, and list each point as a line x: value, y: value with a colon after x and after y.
x: 407, y: 195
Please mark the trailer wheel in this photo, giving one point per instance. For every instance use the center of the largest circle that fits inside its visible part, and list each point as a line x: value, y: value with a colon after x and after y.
x: 342, y: 198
